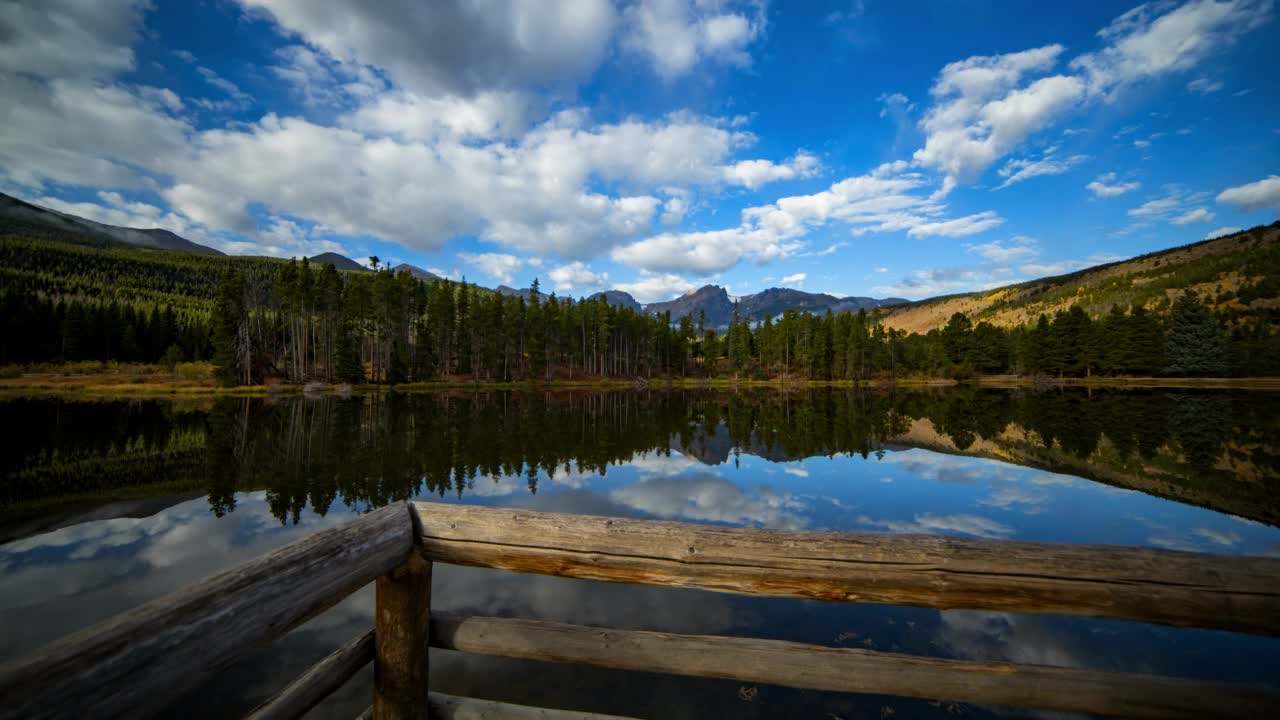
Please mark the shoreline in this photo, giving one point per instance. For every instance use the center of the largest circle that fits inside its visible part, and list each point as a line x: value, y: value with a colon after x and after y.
x: 140, y: 381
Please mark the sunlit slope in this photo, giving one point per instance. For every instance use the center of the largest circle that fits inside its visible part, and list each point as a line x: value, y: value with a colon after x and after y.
x: 1238, y: 275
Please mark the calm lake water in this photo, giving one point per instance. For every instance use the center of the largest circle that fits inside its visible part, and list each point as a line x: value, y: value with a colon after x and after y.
x: 105, y: 505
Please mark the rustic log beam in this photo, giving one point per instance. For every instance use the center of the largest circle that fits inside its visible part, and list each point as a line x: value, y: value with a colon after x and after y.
x: 136, y: 663
x: 402, y: 618
x: 317, y: 683
x: 814, y: 667
x: 454, y: 707
x: 1156, y: 586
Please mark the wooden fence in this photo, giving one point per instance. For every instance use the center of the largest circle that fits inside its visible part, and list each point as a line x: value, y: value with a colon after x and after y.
x: 141, y: 662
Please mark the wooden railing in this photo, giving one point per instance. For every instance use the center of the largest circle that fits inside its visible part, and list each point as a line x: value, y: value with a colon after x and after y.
x: 142, y: 661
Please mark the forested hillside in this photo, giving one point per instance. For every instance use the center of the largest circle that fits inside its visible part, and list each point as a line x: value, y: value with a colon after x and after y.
x: 259, y: 319
x: 1237, y: 275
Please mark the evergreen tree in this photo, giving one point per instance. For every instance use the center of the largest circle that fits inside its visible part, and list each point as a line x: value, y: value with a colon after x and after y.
x: 1194, y: 344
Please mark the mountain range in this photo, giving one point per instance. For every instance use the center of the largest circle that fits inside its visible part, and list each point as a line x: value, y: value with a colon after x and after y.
x: 1240, y: 268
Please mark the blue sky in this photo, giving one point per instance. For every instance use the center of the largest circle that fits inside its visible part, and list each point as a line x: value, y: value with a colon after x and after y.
x: 850, y: 147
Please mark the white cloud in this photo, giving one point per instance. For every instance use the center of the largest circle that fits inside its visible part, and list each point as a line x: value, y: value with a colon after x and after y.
x: 712, y: 498
x: 1204, y: 85
x: 1108, y: 186
x: 1221, y: 232
x: 755, y: 173
x: 959, y: 227
x: 499, y: 266
x: 1174, y: 207
x: 70, y: 38
x: 653, y: 287
x: 1261, y: 195
x: 674, y: 35
x: 408, y: 117
x: 1018, y: 248
x: 576, y: 276
x: 942, y: 281
x: 985, y: 106
x: 895, y: 104
x: 454, y: 45
x: 1191, y: 216
x: 796, y: 279
x: 1146, y: 41
x: 1061, y: 267
x: 981, y: 113
x: 884, y: 200
x: 929, y: 523
x: 1016, y: 171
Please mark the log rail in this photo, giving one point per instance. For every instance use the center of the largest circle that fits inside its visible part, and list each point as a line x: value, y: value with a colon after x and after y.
x: 142, y: 661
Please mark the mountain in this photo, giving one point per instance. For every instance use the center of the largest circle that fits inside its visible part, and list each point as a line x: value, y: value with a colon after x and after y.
x: 1238, y: 272
x: 417, y: 272
x: 712, y: 300
x: 339, y: 262
x: 522, y: 292
x: 22, y: 218
x: 619, y: 298
x: 715, y: 302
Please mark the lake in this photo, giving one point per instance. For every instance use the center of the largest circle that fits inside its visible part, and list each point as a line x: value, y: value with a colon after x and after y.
x: 108, y: 504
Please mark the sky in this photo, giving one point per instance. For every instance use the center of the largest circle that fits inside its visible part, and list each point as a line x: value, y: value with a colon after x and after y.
x: 852, y: 147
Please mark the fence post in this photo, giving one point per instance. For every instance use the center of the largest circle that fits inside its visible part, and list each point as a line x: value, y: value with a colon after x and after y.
x: 403, y: 611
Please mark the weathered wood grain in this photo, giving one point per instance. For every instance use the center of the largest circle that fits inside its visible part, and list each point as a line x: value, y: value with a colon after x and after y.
x: 1157, y: 586
x: 454, y: 707
x: 138, y: 662
x: 317, y: 683
x: 791, y: 664
x: 402, y: 618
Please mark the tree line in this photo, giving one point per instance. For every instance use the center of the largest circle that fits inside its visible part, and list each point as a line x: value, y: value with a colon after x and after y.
x: 260, y: 319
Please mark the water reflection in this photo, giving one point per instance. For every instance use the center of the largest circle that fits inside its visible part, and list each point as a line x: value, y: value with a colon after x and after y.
x: 1212, y: 449
x: 187, y: 489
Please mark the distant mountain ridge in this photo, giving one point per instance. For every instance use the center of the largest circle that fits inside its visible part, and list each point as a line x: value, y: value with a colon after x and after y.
x: 716, y: 306
x: 20, y: 217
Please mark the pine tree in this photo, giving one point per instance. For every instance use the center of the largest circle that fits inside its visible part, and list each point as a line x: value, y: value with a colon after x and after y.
x: 1194, y: 344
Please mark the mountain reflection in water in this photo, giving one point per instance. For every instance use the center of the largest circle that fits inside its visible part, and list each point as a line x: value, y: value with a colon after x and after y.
x: 109, y: 504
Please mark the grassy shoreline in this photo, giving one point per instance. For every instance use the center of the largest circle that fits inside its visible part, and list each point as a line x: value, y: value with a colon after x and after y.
x: 153, y: 381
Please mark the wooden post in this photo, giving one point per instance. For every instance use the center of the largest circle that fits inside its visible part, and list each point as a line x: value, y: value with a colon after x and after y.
x: 403, y: 616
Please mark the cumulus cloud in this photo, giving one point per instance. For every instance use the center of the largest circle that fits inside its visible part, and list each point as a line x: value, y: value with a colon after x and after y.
x: 1261, y: 195
x: 755, y: 173
x: 656, y: 287
x: 70, y: 38
x: 982, y: 112
x: 796, y: 279
x: 454, y: 46
x: 1109, y: 186
x: 674, y: 35
x: 499, y: 266
x: 576, y: 277
x: 1229, y: 230
x: 928, y: 523
x: 985, y: 106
